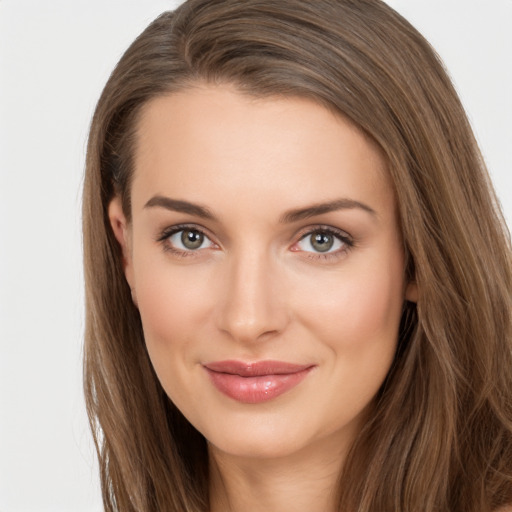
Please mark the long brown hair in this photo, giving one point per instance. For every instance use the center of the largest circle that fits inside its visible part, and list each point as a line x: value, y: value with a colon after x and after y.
x: 440, y: 437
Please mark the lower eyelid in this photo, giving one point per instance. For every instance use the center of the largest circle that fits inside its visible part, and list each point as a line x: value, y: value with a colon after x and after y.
x: 327, y: 256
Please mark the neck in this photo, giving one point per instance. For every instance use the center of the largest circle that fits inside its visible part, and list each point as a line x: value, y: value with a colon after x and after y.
x: 304, y: 481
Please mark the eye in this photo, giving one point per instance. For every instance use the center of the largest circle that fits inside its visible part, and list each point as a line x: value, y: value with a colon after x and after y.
x: 182, y: 239
x: 323, y: 241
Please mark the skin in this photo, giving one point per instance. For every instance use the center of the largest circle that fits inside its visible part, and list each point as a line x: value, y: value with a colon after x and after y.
x: 257, y: 289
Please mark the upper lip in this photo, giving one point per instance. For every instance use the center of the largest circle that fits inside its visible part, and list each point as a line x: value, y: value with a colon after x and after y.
x: 256, y: 368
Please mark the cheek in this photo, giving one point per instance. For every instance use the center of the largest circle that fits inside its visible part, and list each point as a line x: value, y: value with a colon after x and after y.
x: 373, y: 309
x: 357, y: 314
x: 174, y: 307
x: 357, y: 323
x: 363, y: 307
x: 174, y: 313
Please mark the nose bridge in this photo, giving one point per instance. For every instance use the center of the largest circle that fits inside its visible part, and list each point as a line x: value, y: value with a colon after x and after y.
x: 252, y: 306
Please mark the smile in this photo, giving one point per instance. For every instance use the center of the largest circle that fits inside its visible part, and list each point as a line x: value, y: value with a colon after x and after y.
x: 257, y: 382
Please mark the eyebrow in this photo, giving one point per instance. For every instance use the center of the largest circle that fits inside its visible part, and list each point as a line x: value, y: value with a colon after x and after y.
x: 321, y: 208
x: 288, y: 217
x: 177, y: 205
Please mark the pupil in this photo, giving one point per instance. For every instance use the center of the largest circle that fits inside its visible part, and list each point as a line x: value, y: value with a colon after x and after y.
x: 322, y: 242
x: 192, y: 239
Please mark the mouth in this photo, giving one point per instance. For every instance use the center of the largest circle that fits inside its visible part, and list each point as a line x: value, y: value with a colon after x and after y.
x: 256, y: 382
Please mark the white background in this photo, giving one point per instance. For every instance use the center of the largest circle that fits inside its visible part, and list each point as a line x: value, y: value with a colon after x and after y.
x: 55, y: 56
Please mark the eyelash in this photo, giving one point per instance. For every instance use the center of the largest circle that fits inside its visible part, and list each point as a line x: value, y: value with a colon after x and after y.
x: 341, y: 236
x: 166, y: 234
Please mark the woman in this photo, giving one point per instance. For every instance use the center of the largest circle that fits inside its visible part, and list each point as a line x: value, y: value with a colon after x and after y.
x: 298, y: 280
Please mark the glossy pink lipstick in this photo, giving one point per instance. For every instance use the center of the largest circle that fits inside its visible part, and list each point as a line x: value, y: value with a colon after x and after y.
x: 252, y: 383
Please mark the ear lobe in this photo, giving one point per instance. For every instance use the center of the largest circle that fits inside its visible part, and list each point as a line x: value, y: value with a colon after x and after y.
x: 411, y: 292
x: 121, y: 231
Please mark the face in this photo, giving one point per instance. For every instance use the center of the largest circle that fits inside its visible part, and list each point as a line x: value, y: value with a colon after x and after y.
x: 265, y: 259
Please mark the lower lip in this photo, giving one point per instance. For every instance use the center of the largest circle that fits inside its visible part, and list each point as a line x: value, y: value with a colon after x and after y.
x: 254, y: 390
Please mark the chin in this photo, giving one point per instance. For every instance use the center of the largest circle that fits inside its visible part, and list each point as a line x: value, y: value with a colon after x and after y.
x: 257, y: 448
x: 267, y: 437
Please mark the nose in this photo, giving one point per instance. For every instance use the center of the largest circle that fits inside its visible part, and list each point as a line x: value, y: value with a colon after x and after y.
x: 253, y: 304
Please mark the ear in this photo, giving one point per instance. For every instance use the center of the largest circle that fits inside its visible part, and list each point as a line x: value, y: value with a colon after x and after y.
x: 122, y: 233
x: 411, y: 291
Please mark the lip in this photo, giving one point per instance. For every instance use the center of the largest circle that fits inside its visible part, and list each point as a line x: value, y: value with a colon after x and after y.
x: 255, y: 382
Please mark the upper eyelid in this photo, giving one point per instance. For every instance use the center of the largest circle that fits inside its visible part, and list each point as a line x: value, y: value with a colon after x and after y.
x: 171, y: 230
x: 320, y: 227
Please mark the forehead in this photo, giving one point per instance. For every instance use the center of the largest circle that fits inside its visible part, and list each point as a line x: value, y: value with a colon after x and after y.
x: 213, y: 139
